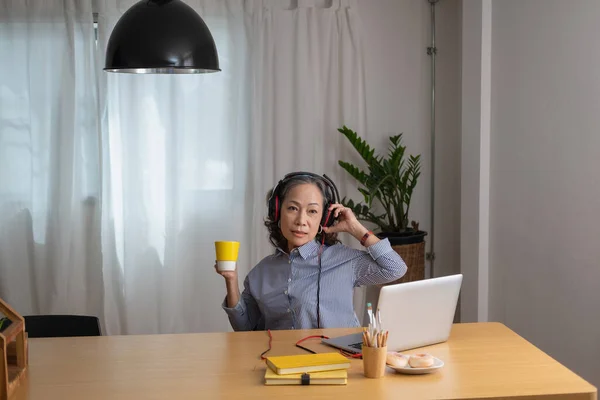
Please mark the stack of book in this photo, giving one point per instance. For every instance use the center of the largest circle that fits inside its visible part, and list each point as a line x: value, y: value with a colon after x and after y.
x: 307, y: 369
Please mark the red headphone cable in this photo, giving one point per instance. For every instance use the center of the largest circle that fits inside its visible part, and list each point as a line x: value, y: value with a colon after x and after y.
x: 319, y: 277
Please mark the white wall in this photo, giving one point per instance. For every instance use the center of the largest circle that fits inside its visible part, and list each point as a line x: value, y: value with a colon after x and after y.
x: 398, y: 84
x: 475, y: 158
x: 448, y: 134
x: 545, y: 185
x: 396, y: 37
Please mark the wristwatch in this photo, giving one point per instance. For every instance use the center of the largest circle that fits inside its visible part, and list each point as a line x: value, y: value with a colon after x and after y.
x: 363, y: 240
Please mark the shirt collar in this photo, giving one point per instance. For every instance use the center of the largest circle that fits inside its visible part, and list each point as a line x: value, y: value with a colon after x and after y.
x: 306, y: 250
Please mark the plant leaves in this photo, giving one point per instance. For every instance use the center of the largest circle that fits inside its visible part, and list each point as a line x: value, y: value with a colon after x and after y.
x: 390, y: 180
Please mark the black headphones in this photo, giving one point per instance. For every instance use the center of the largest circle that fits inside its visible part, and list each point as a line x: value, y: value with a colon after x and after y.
x: 331, y: 196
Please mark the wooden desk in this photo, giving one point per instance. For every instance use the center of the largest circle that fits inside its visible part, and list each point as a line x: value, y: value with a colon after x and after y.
x: 482, y: 360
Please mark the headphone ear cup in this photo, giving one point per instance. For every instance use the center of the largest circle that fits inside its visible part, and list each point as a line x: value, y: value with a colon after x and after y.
x: 331, y: 199
x: 327, y: 216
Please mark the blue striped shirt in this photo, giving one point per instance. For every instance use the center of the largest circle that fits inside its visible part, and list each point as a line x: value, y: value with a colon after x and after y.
x: 280, y: 292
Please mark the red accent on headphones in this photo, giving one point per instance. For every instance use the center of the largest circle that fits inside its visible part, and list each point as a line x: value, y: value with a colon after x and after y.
x: 276, y: 208
x: 326, y: 220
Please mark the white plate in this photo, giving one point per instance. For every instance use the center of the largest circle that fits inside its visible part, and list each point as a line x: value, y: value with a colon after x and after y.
x: 437, y: 364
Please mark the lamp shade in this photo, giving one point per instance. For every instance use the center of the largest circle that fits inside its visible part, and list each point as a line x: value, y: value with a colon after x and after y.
x: 161, y: 36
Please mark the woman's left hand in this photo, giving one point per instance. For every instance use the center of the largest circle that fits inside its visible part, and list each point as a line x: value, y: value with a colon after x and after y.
x: 347, y: 221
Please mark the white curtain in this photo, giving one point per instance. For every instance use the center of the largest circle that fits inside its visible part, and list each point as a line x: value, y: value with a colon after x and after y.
x: 174, y: 162
x: 49, y: 172
x: 184, y: 160
x: 309, y: 81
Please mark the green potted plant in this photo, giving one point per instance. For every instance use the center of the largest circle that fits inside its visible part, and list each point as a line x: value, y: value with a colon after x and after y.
x: 387, y: 187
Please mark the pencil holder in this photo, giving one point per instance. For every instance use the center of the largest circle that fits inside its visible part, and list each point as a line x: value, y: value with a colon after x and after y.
x: 374, y: 361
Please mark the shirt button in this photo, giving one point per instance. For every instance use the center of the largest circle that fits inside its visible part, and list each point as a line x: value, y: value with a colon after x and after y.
x: 289, y: 279
x: 288, y: 310
x: 285, y: 292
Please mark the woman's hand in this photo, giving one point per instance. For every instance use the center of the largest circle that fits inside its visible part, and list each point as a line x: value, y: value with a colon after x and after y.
x: 347, y: 222
x: 231, y: 283
x: 230, y: 276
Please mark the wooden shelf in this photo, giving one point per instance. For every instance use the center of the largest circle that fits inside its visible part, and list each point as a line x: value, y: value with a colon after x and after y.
x: 13, y: 352
x: 12, y: 331
x: 14, y: 375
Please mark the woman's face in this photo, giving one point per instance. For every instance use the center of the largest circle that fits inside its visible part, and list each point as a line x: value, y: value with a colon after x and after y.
x: 301, y: 213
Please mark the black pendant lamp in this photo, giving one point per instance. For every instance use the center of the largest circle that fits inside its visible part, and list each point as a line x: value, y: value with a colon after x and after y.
x: 161, y: 37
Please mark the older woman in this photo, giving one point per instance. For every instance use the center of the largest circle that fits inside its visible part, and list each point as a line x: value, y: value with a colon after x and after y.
x: 308, y: 281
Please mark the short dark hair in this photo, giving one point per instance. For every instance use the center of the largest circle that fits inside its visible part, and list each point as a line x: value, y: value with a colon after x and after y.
x: 275, y: 236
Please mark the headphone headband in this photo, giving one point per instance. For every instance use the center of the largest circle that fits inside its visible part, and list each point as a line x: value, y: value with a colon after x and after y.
x: 274, y: 200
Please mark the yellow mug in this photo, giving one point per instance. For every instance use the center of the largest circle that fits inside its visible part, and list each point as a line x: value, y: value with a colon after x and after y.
x: 227, y: 255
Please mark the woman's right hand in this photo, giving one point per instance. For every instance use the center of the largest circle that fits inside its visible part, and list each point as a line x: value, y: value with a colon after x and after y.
x: 230, y: 276
x: 231, y: 283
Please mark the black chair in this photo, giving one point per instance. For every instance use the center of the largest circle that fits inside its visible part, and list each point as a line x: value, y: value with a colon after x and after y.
x: 44, y: 326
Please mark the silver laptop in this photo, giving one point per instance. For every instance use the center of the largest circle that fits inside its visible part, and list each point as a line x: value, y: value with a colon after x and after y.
x: 416, y: 314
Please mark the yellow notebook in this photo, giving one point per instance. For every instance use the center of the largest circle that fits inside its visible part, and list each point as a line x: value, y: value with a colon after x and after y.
x: 337, y: 377
x: 307, y: 363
